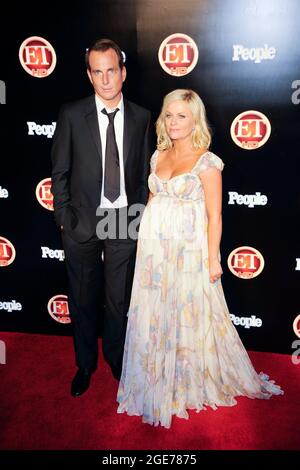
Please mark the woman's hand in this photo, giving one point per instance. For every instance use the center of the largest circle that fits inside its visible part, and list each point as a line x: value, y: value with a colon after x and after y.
x: 215, y: 270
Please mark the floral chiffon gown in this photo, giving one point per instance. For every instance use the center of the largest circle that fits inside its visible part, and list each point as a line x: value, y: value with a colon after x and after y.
x: 181, y: 351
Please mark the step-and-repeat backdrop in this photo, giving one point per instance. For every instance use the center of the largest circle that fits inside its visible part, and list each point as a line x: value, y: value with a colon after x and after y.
x: 242, y: 57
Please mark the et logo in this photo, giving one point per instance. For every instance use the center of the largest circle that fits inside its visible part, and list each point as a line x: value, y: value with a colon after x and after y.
x: 7, y: 252
x: 250, y: 130
x: 245, y: 262
x: 44, y: 195
x: 58, y: 308
x: 178, y: 54
x: 37, y: 57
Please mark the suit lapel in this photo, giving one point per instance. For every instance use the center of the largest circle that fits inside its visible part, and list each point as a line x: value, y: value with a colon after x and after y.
x: 129, y: 128
x: 92, y: 121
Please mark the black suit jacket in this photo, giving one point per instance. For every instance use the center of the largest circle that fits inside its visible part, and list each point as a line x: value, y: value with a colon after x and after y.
x: 77, y: 163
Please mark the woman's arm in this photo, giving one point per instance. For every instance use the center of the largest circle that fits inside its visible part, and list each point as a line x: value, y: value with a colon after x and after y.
x: 212, y: 184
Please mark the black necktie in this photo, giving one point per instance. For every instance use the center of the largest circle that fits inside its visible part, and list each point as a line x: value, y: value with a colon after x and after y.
x: 112, y: 164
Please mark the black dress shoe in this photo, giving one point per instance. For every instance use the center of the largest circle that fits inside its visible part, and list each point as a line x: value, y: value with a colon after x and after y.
x: 81, y: 382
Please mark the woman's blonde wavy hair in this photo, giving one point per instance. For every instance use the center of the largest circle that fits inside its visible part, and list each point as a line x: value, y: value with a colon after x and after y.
x: 201, y: 135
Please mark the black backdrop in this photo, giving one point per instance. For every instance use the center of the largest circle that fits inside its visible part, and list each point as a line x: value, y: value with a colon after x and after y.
x: 227, y: 87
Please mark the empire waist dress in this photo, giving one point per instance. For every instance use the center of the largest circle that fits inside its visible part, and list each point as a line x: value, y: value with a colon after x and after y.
x: 182, y: 350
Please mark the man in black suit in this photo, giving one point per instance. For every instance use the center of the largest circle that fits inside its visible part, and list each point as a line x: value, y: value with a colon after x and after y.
x: 100, y: 159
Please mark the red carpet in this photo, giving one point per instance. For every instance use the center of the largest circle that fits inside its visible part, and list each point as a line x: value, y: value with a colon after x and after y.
x: 37, y: 411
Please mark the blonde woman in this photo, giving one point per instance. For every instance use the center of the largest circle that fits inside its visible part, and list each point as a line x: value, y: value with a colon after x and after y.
x: 182, y: 351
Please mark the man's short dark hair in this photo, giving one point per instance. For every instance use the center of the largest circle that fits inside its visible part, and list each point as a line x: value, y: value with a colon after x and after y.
x: 104, y: 45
